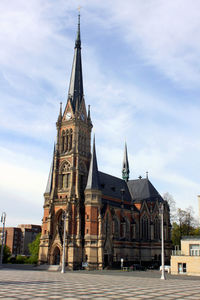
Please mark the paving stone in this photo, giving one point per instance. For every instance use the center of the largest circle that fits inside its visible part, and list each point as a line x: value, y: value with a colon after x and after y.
x: 16, y: 284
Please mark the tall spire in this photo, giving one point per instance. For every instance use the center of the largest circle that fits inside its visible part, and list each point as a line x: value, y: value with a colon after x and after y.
x: 93, y: 175
x: 125, y: 166
x: 76, y: 81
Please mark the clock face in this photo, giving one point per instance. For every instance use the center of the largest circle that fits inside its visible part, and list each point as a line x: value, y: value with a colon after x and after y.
x: 68, y: 116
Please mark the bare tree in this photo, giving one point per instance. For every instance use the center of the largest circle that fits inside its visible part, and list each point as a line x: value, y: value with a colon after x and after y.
x: 172, y: 206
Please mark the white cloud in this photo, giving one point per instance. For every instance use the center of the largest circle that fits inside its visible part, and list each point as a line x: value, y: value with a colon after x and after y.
x: 161, y: 130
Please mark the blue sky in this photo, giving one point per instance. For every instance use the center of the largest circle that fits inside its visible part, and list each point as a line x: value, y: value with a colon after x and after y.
x: 141, y: 77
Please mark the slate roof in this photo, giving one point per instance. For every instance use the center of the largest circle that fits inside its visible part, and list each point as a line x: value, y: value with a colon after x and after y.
x: 76, y: 80
x: 111, y: 186
x: 141, y: 189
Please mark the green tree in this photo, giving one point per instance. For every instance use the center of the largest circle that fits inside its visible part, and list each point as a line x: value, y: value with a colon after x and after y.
x: 6, y: 253
x: 186, y: 225
x: 34, y: 249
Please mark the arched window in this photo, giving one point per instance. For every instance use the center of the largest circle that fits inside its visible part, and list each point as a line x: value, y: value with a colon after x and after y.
x: 127, y: 229
x: 145, y: 228
x: 156, y: 229
x: 115, y: 228
x: 64, y: 176
x: 63, y: 142
x: 123, y: 228
x: 70, y: 139
x: 67, y: 140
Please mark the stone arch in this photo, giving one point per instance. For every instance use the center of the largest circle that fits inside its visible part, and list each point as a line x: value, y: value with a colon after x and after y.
x: 56, y: 253
x: 56, y: 256
x: 65, y: 167
x: 58, y: 226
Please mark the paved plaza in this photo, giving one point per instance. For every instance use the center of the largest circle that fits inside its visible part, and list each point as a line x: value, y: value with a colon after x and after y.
x: 34, y: 284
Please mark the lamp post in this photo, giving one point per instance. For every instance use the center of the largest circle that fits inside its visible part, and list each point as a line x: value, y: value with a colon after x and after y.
x: 3, y: 220
x: 64, y: 238
x: 161, y: 210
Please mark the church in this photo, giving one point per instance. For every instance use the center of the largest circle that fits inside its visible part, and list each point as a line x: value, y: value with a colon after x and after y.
x: 107, y: 218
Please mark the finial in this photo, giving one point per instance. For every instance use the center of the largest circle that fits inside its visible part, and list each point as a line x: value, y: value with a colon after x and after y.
x: 60, y: 108
x: 140, y: 177
x: 147, y: 174
x: 79, y: 9
x: 125, y: 165
x: 89, y: 112
x: 78, y: 39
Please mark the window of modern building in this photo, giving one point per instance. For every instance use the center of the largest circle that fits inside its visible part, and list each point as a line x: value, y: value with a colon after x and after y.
x: 182, y: 267
x: 195, y: 250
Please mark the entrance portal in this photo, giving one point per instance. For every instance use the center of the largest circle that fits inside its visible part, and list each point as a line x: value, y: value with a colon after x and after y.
x: 56, y: 256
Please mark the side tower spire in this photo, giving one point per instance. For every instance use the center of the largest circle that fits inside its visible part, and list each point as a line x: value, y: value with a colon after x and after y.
x: 93, y: 176
x: 75, y: 93
x: 125, y: 166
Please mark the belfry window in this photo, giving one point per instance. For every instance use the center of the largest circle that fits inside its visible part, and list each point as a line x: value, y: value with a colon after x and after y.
x: 70, y: 139
x: 63, y: 142
x: 67, y: 140
x: 64, y: 176
x: 66, y: 180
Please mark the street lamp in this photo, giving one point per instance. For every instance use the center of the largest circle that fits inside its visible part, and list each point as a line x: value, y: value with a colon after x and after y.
x: 161, y: 211
x: 64, y: 216
x: 3, y: 220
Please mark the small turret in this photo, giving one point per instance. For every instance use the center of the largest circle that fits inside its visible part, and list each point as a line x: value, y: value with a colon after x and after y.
x: 125, y: 166
x: 93, y: 176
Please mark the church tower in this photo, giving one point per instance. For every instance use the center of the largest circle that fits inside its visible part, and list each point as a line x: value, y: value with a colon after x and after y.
x: 68, y: 175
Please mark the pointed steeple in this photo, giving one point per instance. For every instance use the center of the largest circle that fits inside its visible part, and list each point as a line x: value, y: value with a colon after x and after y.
x: 125, y: 166
x: 76, y: 81
x: 50, y: 178
x: 93, y: 175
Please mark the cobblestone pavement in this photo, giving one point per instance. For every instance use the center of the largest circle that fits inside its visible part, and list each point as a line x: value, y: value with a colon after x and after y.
x: 29, y: 284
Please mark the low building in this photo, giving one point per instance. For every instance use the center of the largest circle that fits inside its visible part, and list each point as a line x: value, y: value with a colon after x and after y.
x: 29, y: 232
x: 18, y: 238
x: 12, y: 237
x: 187, y: 260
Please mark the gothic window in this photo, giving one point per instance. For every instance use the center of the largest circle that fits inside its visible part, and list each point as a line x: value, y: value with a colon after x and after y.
x: 63, y: 142
x: 66, y: 180
x: 123, y: 228
x: 115, y: 228
x: 70, y: 139
x: 156, y: 229
x: 127, y: 228
x: 67, y: 140
x: 64, y: 176
x: 134, y: 231
x: 145, y: 228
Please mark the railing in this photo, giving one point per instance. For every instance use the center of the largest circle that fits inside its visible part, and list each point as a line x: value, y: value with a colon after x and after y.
x: 177, y: 253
